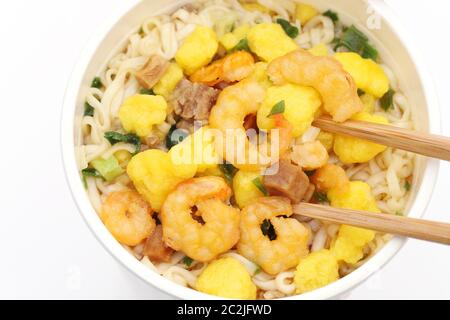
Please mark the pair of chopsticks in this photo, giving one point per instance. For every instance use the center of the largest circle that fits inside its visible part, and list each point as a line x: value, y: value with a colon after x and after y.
x: 421, y: 143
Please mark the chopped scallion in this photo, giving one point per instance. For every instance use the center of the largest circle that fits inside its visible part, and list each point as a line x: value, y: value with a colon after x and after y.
x: 291, y: 30
x: 188, y: 261
x: 387, y: 101
x: 149, y: 92
x: 91, y: 172
x: 228, y: 171
x: 241, y: 46
x: 320, y: 197
x: 332, y: 15
x: 258, y: 183
x: 97, y: 83
x: 116, y: 137
x: 88, y: 110
x: 277, y: 109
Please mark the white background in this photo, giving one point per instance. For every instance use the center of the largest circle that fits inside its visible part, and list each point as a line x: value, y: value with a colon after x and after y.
x: 46, y: 249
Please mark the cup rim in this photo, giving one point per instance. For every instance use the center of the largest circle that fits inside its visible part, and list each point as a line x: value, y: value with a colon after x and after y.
x: 88, y: 213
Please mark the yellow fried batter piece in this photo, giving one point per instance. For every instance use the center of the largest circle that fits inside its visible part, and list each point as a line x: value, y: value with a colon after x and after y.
x: 368, y: 75
x: 354, y: 150
x: 320, y: 50
x: 283, y: 252
x: 326, y: 75
x: 245, y: 190
x: 218, y: 230
x: 326, y: 139
x: 198, y: 50
x: 301, y: 104
x: 358, y: 196
x: 369, y: 103
x: 317, y: 270
x: 269, y: 41
x: 305, y: 12
x: 231, y: 39
x: 227, y: 278
x: 197, y: 150
x: 255, y: 6
x: 169, y: 81
x: 155, y: 176
x: 140, y: 113
x: 350, y: 242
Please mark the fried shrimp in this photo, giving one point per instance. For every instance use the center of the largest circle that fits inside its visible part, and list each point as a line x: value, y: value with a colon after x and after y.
x: 128, y: 217
x: 282, y: 253
x: 235, y: 103
x: 326, y: 75
x: 228, y: 115
x: 197, y: 221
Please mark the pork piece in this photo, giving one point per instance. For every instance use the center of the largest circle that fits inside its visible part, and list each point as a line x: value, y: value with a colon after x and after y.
x: 155, y: 248
x: 290, y: 182
x: 193, y: 101
x: 152, y: 72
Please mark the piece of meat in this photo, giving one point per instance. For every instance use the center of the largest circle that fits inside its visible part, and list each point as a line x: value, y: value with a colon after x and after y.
x: 193, y: 101
x: 290, y: 181
x: 152, y: 72
x: 155, y: 248
x: 309, y: 193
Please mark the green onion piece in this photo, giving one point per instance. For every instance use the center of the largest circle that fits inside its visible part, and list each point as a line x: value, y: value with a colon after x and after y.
x: 175, y: 136
x: 241, y: 46
x: 369, y: 52
x: 97, y: 83
x: 88, y: 110
x: 407, y: 186
x: 91, y: 172
x: 258, y: 270
x: 387, y: 101
x: 268, y: 230
x: 116, y: 137
x: 332, y: 15
x: 356, y: 41
x: 149, y: 92
x: 109, y: 168
x: 277, y: 109
x: 188, y: 261
x: 291, y: 30
x: 320, y: 197
x: 258, y: 183
x: 228, y: 171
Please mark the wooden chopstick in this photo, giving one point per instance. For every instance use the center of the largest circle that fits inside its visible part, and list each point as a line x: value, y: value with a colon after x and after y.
x: 421, y: 143
x: 397, y: 225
